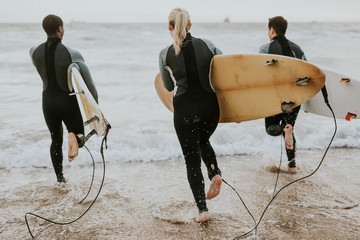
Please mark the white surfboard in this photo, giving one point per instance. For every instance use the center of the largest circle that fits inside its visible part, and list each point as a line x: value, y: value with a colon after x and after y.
x: 343, y: 94
x: 88, y: 106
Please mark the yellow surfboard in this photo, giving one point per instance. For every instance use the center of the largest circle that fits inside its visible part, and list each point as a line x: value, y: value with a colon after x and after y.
x: 165, y: 96
x: 253, y: 86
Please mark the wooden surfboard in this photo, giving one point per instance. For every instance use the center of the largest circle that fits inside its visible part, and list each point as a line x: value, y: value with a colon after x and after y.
x: 88, y: 106
x: 258, y: 85
x: 165, y: 96
x: 343, y: 94
x: 255, y: 86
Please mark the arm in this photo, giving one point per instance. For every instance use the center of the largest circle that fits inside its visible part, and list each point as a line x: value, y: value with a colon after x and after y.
x: 304, y: 57
x: 32, y: 50
x: 264, y: 48
x: 164, y: 71
x: 85, y: 73
x: 212, y: 47
x: 77, y: 58
x: 299, y: 53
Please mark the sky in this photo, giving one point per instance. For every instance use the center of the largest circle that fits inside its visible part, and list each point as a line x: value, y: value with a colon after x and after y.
x: 33, y: 11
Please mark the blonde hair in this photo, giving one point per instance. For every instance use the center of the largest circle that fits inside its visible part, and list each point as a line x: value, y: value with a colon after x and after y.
x: 180, y: 19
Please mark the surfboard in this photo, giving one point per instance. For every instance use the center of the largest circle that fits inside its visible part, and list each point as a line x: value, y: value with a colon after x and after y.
x: 90, y: 109
x: 253, y: 86
x: 165, y: 96
x: 343, y: 94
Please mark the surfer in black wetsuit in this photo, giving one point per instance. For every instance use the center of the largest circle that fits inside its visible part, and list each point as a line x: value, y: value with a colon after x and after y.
x: 283, y: 123
x: 184, y: 68
x: 52, y: 60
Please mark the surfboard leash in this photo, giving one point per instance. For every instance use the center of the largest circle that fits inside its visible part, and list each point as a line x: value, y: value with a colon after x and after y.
x: 276, y: 182
x: 104, y: 141
x: 247, y: 209
x: 324, y: 92
x: 93, y: 175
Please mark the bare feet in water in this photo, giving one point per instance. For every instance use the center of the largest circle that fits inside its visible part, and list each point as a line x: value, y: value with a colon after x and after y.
x: 215, y: 187
x: 203, y: 217
x: 292, y: 170
x: 289, y: 141
x: 73, y: 147
x: 60, y: 185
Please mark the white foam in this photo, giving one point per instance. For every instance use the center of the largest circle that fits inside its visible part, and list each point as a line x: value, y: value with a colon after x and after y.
x: 123, y: 60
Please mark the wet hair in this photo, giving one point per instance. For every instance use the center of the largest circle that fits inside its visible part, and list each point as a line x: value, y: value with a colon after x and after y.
x: 179, y: 19
x: 279, y: 24
x: 51, y: 24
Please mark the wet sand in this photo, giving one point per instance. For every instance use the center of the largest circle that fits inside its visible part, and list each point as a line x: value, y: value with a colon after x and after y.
x: 152, y: 200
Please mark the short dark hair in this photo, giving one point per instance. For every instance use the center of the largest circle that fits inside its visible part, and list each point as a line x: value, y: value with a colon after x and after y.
x: 51, y: 24
x: 279, y: 24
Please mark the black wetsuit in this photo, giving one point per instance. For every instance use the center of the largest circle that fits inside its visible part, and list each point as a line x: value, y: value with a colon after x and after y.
x: 196, y: 110
x: 52, y: 60
x: 275, y: 124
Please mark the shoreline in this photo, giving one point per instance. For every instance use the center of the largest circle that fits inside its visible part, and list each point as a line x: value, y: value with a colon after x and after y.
x: 152, y: 200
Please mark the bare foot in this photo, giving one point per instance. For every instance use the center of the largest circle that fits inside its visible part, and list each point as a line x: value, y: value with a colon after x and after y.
x: 215, y: 187
x: 292, y: 170
x: 289, y: 141
x: 60, y: 185
x: 203, y: 217
x: 73, y: 147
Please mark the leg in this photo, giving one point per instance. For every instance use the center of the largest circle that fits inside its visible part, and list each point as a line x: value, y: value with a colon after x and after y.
x: 288, y: 136
x: 273, y: 125
x: 56, y: 131
x: 56, y: 153
x: 187, y: 130
x: 74, y: 124
x: 207, y: 128
x: 290, y: 118
x: 209, y: 158
x: 193, y: 167
x: 73, y: 146
x: 208, y: 124
x: 203, y: 217
x: 291, y: 157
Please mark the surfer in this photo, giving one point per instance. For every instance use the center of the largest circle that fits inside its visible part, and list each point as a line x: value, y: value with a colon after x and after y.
x: 184, y: 68
x: 283, y: 123
x: 52, y: 60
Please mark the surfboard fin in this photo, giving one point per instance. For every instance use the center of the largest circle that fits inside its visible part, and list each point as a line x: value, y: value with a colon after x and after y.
x: 270, y: 62
x: 74, y: 93
x: 350, y: 116
x: 302, y: 81
x: 93, y: 132
x: 286, y: 107
x: 344, y: 80
x: 93, y: 119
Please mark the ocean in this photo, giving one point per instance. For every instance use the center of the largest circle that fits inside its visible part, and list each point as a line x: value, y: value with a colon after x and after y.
x: 146, y: 194
x: 123, y: 60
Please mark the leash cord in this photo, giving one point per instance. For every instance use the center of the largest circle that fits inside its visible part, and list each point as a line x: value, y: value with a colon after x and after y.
x: 278, y: 172
x: 104, y: 140
x: 242, y: 203
x: 93, y: 174
x: 297, y: 180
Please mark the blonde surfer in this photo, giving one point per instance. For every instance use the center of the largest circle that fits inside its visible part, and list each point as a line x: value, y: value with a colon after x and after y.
x: 184, y: 67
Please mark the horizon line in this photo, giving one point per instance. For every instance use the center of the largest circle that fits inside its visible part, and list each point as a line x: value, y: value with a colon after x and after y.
x: 201, y: 22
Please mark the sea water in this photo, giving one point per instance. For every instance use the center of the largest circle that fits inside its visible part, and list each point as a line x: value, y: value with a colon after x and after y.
x: 123, y: 60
